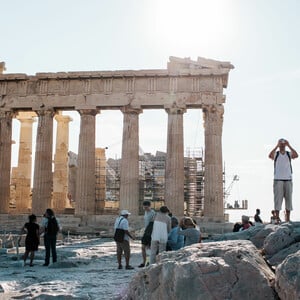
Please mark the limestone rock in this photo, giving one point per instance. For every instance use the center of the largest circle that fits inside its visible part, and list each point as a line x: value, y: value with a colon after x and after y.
x: 216, y: 270
x: 281, y: 238
x: 288, y: 278
x: 259, y: 238
x: 280, y: 256
x: 240, y: 235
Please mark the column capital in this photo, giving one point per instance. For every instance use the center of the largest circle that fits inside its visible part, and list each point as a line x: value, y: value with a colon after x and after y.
x: 45, y: 112
x: 7, y: 114
x: 213, y: 114
x: 175, y: 110
x: 218, y: 109
x: 92, y: 112
x: 62, y: 118
x: 131, y: 110
x: 26, y: 116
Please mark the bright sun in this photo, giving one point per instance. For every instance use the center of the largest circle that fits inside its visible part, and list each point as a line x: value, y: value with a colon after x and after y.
x: 194, y: 22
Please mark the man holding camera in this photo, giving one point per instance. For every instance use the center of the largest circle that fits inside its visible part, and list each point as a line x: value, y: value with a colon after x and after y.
x: 283, y: 185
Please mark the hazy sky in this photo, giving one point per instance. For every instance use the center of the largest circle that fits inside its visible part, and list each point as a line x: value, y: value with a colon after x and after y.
x: 259, y: 37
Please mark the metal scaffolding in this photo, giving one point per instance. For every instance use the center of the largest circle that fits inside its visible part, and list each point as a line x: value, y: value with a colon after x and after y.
x: 152, y: 180
x: 194, y: 182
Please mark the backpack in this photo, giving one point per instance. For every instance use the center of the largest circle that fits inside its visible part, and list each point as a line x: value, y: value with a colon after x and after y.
x: 52, y: 226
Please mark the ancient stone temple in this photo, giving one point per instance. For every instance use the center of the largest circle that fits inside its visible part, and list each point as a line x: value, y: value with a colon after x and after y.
x: 185, y: 84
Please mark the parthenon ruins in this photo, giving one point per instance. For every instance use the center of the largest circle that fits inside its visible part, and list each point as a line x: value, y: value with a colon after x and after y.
x: 185, y: 84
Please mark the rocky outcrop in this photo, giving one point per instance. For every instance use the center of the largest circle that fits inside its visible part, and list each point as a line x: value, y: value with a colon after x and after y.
x: 282, y: 237
x: 262, y: 262
x: 288, y: 278
x: 217, y: 270
x: 279, y: 257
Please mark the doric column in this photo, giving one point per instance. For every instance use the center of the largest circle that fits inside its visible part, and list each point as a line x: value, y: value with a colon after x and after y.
x: 129, y: 172
x: 174, y: 173
x: 5, y: 159
x: 22, y: 173
x: 85, y: 183
x: 43, y: 178
x: 213, y: 174
x: 60, y: 176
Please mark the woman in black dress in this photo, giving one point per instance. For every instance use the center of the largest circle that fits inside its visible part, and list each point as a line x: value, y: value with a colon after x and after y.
x: 32, y: 240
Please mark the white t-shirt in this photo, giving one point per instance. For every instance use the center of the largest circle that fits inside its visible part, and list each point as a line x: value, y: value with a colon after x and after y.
x: 122, y: 223
x: 161, y: 228
x: 282, y: 169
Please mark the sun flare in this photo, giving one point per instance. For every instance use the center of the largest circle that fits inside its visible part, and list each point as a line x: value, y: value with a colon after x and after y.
x: 194, y: 22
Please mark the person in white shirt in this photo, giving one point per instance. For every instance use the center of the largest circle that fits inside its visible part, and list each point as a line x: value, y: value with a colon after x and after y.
x: 161, y: 229
x: 124, y: 246
x: 283, y: 185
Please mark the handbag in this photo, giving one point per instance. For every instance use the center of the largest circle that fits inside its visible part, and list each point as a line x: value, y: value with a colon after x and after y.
x: 119, y: 234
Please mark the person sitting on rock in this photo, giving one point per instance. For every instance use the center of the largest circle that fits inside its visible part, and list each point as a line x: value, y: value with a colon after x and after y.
x: 175, y: 241
x: 274, y: 219
x: 189, y: 230
x: 246, y: 224
x: 236, y: 227
x: 257, y: 218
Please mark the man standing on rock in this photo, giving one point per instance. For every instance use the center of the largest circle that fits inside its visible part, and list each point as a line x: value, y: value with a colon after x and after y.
x: 283, y: 185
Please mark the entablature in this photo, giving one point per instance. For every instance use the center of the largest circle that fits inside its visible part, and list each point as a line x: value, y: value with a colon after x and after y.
x: 188, y: 83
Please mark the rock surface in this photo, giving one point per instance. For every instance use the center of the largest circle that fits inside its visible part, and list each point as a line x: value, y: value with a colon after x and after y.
x: 230, y: 268
x: 220, y: 270
x: 281, y: 238
x: 259, y: 263
x: 288, y: 278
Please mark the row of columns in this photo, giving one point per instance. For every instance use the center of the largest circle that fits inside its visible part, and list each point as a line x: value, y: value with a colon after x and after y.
x: 129, y: 189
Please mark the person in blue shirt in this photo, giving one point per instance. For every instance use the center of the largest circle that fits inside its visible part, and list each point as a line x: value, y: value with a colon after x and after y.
x: 175, y: 241
x: 190, y: 231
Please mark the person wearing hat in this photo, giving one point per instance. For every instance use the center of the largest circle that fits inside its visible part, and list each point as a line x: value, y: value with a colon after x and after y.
x: 124, y: 246
x: 283, y: 185
x: 246, y: 224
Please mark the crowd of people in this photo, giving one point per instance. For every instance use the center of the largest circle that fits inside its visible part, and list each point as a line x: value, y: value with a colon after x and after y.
x: 162, y: 232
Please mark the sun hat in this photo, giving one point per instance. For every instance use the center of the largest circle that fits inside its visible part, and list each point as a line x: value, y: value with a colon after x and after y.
x: 125, y: 212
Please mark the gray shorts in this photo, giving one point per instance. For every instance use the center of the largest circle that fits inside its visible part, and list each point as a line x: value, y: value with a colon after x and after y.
x: 283, y: 189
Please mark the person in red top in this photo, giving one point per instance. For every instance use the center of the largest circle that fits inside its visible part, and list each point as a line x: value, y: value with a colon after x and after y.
x: 245, y: 223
